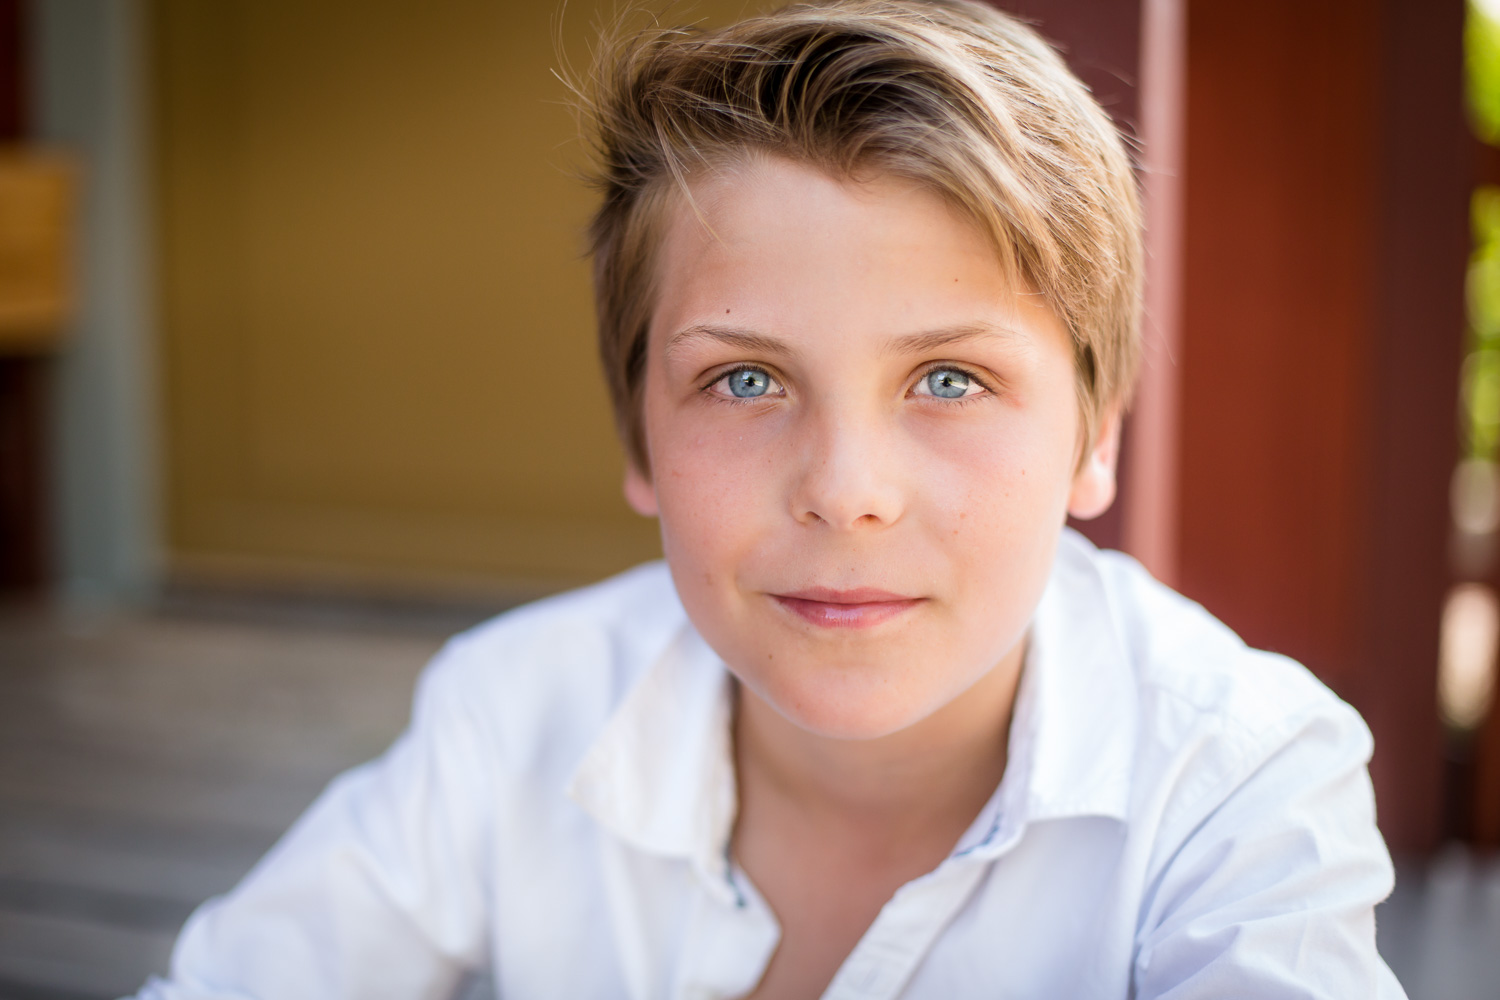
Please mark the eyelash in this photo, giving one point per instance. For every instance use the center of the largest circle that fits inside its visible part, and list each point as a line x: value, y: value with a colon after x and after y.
x: 730, y: 398
x: 967, y: 372
x: 971, y: 374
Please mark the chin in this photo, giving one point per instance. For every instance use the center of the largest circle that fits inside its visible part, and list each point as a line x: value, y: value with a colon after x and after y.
x: 844, y: 708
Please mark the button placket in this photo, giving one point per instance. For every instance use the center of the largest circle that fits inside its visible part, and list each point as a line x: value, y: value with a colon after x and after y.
x: 903, y: 933
x: 730, y: 937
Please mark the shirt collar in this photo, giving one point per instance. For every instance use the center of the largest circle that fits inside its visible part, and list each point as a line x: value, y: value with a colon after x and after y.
x: 661, y: 774
x: 1074, y: 731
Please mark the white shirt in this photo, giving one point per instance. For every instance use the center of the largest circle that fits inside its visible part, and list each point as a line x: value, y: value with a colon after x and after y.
x: 1180, y: 816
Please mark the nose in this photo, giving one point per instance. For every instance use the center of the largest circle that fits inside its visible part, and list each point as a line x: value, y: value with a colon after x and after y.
x: 847, y: 473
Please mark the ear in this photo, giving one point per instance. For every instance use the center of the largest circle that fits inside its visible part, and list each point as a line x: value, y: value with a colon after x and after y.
x: 639, y: 492
x: 1094, y: 482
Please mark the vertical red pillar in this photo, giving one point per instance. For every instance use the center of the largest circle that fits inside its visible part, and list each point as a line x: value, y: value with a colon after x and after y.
x: 1149, y: 493
x: 1422, y: 244
x: 1323, y: 325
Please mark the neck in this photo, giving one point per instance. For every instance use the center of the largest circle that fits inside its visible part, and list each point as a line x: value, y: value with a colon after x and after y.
x: 941, y: 769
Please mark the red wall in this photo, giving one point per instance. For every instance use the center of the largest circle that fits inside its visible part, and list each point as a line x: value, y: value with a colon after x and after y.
x: 1323, y: 326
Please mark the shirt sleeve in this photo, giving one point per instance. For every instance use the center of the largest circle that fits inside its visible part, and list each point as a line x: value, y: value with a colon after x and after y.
x: 1271, y: 894
x: 377, y: 890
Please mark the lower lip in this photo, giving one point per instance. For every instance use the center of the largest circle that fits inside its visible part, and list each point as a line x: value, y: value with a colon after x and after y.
x: 826, y: 615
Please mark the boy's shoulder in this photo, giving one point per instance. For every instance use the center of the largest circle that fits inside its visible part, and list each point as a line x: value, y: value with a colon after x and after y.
x: 1184, y: 656
x: 1209, y: 710
x: 545, y: 676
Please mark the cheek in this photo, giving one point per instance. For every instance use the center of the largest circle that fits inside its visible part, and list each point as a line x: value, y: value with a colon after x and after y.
x: 990, y: 484
x: 713, y: 484
x: 997, y: 531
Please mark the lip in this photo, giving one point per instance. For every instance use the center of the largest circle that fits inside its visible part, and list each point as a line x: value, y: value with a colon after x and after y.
x: 862, y: 607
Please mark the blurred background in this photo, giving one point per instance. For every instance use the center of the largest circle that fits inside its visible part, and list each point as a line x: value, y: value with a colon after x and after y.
x: 297, y: 377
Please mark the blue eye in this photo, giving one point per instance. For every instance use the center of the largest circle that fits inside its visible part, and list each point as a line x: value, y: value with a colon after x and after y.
x: 947, y: 383
x: 748, y: 383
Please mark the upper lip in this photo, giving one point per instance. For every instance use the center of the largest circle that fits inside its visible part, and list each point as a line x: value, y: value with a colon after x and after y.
x: 858, y: 595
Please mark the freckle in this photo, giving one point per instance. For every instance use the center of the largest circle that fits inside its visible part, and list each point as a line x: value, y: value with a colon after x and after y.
x: 726, y: 312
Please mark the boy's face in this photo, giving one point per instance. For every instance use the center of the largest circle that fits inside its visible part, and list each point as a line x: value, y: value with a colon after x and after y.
x: 863, y: 443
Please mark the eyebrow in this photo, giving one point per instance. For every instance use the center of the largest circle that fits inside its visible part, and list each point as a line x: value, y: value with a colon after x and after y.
x: 745, y: 340
x: 921, y: 342
x: 930, y: 340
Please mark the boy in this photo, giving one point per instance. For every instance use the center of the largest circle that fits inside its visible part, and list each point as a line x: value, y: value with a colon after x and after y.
x: 868, y: 279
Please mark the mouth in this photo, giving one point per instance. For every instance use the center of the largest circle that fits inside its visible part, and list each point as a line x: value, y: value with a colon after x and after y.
x: 864, y: 607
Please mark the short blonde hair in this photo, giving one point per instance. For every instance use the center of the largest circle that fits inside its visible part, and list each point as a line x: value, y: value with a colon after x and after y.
x: 955, y: 95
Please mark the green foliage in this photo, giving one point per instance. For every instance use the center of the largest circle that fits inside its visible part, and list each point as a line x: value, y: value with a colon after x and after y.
x: 1481, y: 374
x: 1482, y: 67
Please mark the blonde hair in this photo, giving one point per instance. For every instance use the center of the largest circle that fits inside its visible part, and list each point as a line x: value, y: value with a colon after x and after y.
x: 955, y: 95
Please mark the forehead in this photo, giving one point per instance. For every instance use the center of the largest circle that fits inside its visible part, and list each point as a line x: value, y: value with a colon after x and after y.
x: 772, y: 244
